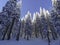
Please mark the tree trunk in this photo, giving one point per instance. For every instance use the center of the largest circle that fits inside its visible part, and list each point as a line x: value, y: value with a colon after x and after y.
x: 48, y: 38
x: 18, y: 34
x: 5, y: 32
x: 10, y: 29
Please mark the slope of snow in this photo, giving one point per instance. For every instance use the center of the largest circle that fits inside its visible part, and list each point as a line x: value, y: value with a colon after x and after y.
x: 29, y: 42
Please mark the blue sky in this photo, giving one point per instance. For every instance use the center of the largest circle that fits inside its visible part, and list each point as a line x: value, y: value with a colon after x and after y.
x: 31, y: 5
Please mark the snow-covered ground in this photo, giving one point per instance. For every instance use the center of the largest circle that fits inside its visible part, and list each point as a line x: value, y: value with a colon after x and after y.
x: 29, y: 42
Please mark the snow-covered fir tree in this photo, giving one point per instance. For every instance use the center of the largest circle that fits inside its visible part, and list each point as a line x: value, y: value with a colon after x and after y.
x: 55, y: 14
x: 43, y: 21
x: 4, y: 23
x: 12, y: 11
x: 22, y: 27
x: 28, y: 26
x: 37, y: 24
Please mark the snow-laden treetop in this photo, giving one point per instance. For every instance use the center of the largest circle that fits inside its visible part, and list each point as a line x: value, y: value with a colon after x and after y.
x: 26, y: 17
x: 36, y: 15
x: 46, y: 13
x: 54, y: 2
x: 19, y: 4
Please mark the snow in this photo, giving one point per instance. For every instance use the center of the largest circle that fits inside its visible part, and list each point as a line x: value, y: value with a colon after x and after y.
x: 29, y: 42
